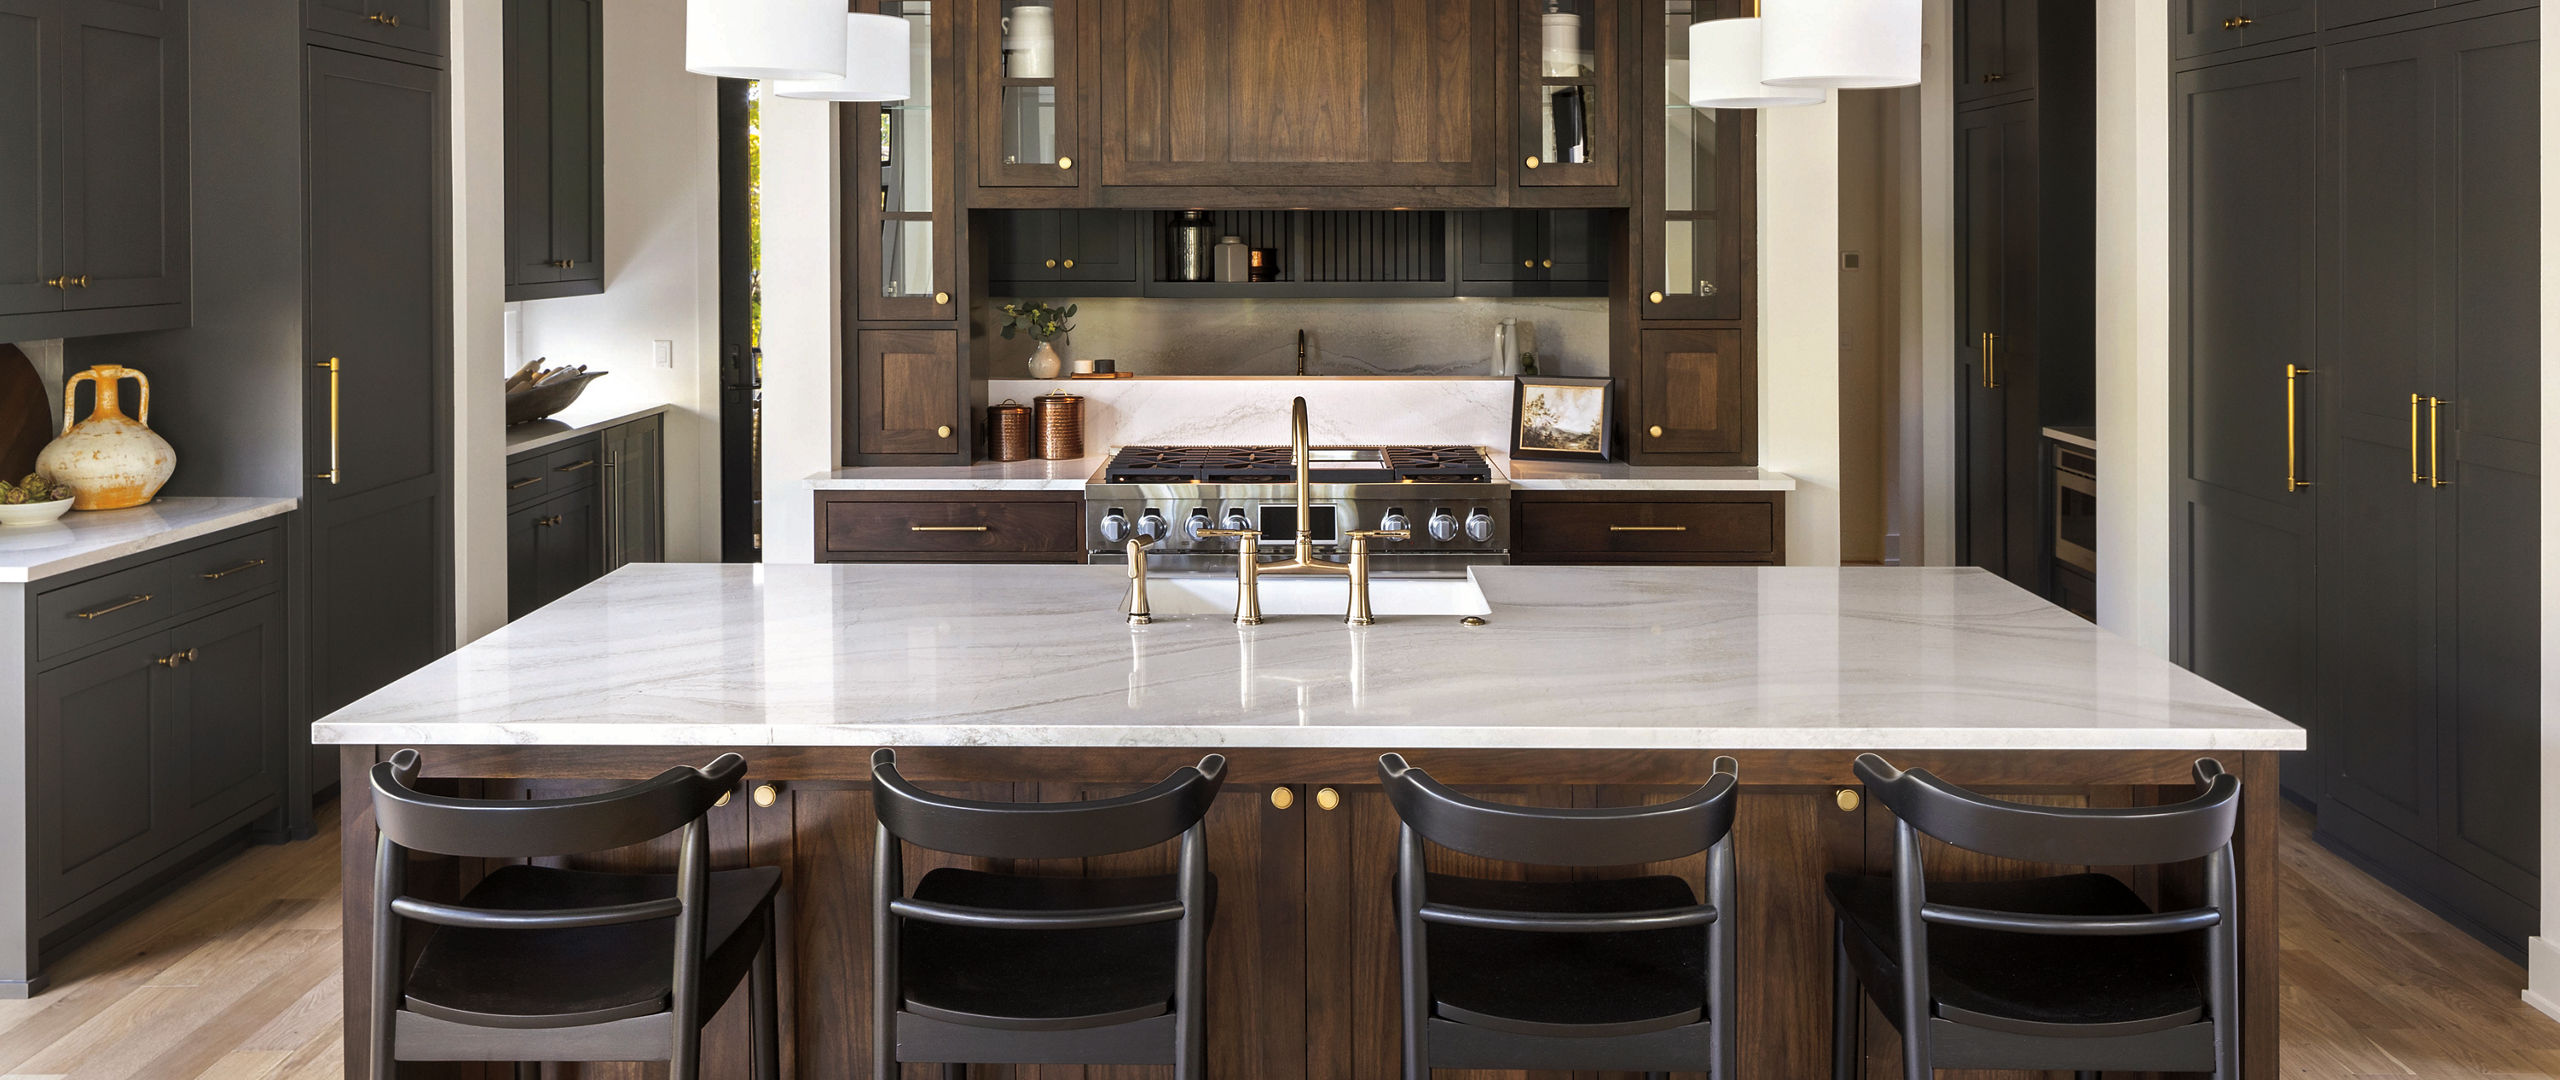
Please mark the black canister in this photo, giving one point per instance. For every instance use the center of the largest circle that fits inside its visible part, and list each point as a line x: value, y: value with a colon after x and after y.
x: 1190, y: 247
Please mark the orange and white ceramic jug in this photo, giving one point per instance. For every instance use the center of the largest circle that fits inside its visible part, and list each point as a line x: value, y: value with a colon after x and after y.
x: 111, y: 460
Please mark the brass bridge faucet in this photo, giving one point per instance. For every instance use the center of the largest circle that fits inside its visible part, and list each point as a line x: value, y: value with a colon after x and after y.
x: 1249, y: 564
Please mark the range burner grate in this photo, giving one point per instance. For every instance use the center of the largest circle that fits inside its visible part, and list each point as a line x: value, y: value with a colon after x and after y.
x: 1273, y: 465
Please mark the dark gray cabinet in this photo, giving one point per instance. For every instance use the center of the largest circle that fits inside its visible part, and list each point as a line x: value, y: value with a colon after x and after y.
x: 634, y: 506
x: 1999, y: 470
x: 1063, y: 252
x: 2000, y: 53
x: 2197, y: 27
x: 415, y: 25
x: 555, y: 148
x: 94, y: 220
x: 1533, y: 253
x: 580, y: 509
x: 553, y: 547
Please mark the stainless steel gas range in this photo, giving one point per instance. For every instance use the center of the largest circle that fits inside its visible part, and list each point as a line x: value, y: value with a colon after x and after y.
x: 1458, y: 507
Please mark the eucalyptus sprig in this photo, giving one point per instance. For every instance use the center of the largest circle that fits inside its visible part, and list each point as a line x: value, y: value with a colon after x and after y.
x: 1044, y: 323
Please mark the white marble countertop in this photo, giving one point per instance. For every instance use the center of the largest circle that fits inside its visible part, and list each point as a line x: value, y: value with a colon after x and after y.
x: 1039, y: 475
x: 2084, y: 436
x: 1620, y: 476
x: 572, y: 422
x: 1032, y: 475
x: 1572, y: 657
x: 85, y: 538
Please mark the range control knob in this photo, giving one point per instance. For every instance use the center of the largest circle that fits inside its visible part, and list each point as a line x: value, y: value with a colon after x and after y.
x: 1479, y: 526
x: 1151, y: 525
x: 1394, y: 520
x: 1237, y: 520
x: 1194, y: 525
x: 1115, y: 526
x: 1444, y: 526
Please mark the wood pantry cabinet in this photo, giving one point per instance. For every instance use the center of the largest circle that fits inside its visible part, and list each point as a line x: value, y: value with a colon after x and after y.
x: 94, y: 196
x: 555, y: 148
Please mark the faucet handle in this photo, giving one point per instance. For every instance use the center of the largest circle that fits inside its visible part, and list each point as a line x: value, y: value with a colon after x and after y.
x: 1380, y: 534
x: 1253, y: 534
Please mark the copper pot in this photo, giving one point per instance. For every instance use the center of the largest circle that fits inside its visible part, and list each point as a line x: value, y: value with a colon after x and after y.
x: 1009, y: 431
x: 1060, y: 418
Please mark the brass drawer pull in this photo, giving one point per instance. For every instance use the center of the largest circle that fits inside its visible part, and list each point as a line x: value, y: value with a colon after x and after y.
x: 385, y: 18
x: 1282, y: 798
x: 113, y: 608
x: 524, y: 483
x: 331, y: 366
x: 218, y: 575
x: 946, y: 528
x: 2237, y: 22
x: 1648, y: 528
x: 564, y: 264
x: 1328, y: 799
x: 576, y: 465
x: 67, y: 282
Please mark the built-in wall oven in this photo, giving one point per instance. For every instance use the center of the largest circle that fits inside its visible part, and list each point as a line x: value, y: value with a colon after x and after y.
x: 2075, y: 526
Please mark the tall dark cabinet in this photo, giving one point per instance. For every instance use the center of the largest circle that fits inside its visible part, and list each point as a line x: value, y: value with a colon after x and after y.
x: 2357, y: 454
x: 555, y: 148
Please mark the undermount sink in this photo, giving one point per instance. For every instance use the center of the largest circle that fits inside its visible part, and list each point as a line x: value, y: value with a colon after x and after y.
x: 1329, y: 595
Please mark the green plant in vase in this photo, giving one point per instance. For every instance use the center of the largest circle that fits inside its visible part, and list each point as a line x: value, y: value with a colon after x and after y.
x: 1046, y: 325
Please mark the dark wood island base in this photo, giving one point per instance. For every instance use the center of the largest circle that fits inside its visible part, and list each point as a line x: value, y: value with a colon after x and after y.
x: 1302, y: 963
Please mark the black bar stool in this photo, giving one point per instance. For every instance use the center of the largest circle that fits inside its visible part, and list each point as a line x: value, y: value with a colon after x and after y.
x: 981, y: 967
x: 1622, y: 974
x: 2065, y: 972
x: 543, y: 964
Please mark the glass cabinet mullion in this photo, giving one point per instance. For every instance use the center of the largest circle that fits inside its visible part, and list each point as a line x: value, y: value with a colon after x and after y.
x: 1569, y: 127
x: 1024, y: 57
x: 908, y: 258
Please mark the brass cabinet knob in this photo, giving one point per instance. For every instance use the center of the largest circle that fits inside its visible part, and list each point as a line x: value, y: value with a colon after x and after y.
x: 1527, y: 263
x: 941, y: 298
x: 1654, y: 297
x: 765, y: 795
x: 1051, y: 264
x: 1994, y: 77
x: 1546, y: 264
x: 385, y: 18
x: 723, y: 800
x: 1532, y: 161
x: 1282, y: 798
x: 1847, y: 798
x: 1069, y: 264
x: 62, y: 282
x: 1655, y: 431
x: 2237, y: 22
x: 1066, y: 163
x: 943, y: 432
x: 1327, y: 798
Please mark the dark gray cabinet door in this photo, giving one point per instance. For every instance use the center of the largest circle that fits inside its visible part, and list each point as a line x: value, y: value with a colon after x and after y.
x: 1575, y: 257
x: 524, y: 558
x: 30, y: 186
x: 227, y: 729
x: 416, y: 25
x: 1497, y: 245
x: 1998, y: 53
x: 1023, y: 245
x: 568, y: 546
x: 2000, y: 438
x: 2242, y: 292
x: 2197, y: 27
x: 98, y: 750
x: 1098, y: 246
x: 634, y: 493
x: 377, y: 428
x: 2348, y: 12
x: 124, y: 154
x: 555, y: 148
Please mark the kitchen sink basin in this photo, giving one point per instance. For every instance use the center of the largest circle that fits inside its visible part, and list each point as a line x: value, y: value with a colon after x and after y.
x: 1171, y: 595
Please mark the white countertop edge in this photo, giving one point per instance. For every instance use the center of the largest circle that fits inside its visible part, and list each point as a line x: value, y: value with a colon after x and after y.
x: 2074, y: 438
x: 554, y: 438
x: 1620, y: 476
x: 1035, y: 474
x: 109, y: 549
x: 1845, y: 740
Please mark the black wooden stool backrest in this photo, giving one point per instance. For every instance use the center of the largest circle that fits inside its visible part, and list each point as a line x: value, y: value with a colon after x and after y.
x: 1063, y: 830
x: 1559, y: 835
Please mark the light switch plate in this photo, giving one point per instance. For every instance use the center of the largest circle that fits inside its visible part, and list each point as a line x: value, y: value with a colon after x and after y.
x: 663, y: 353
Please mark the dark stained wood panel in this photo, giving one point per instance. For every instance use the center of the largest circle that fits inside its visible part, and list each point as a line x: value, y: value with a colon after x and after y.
x: 1702, y: 528
x: 974, y: 526
x: 1697, y: 397
x: 908, y: 388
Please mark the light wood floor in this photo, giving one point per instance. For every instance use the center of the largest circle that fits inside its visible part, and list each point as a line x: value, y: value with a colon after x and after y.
x: 235, y: 977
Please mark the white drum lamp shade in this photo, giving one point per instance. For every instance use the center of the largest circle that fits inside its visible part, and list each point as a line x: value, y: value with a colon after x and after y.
x: 1724, y: 69
x: 1842, y: 44
x: 876, y: 64
x: 764, y: 39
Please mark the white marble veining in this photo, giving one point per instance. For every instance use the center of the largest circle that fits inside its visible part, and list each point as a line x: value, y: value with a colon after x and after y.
x: 85, y: 538
x: 1572, y: 657
x: 1032, y: 475
x: 572, y: 422
x: 1620, y: 476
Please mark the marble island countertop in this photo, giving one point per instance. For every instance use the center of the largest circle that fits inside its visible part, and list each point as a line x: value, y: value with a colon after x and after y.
x: 1572, y: 657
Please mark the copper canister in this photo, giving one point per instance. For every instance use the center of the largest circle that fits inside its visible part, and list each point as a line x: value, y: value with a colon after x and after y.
x: 1009, y: 430
x: 1060, y: 418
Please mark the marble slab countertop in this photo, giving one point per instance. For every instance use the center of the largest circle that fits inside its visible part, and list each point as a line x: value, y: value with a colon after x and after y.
x: 1620, y: 476
x: 572, y: 422
x: 1032, y: 475
x: 85, y: 538
x: 1038, y: 475
x: 1570, y: 658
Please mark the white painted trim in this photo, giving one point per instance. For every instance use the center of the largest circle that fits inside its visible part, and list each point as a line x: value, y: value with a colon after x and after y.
x: 802, y: 353
x: 2132, y: 331
x: 478, y: 78
x: 1800, y: 321
x: 2545, y: 960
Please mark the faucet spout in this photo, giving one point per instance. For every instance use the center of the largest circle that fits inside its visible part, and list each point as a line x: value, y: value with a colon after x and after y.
x: 1306, y: 547
x: 1302, y: 352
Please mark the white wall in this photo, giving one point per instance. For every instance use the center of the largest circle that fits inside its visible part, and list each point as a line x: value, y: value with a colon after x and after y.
x: 801, y: 316
x: 479, y: 291
x: 662, y: 271
x: 2133, y: 323
x: 1800, y: 321
x: 2543, y: 954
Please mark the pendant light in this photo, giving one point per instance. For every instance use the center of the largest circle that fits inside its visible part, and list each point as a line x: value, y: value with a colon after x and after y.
x: 1842, y: 44
x: 764, y: 39
x: 876, y: 52
x: 1724, y: 67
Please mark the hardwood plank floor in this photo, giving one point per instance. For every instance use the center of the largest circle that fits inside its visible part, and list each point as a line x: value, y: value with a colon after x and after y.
x: 235, y: 977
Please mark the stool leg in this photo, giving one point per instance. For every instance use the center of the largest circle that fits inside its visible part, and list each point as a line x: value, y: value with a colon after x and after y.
x: 1846, y: 997
x: 2085, y: 1074
x: 526, y: 1070
x: 952, y: 1070
x: 760, y: 1008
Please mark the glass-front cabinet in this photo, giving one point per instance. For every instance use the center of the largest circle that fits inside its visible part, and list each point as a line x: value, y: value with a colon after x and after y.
x: 1023, y: 58
x: 1571, y: 57
x: 1696, y: 207
x: 906, y: 231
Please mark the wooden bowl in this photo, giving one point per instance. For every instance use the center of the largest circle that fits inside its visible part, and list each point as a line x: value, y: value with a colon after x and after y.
x: 536, y: 402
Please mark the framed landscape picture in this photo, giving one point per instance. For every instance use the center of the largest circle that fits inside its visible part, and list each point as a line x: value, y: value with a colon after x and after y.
x: 1560, y: 418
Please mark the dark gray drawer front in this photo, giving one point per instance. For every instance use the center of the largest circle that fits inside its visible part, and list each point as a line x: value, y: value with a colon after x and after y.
x: 528, y: 478
x: 233, y: 568
x: 93, y: 611
x: 572, y: 467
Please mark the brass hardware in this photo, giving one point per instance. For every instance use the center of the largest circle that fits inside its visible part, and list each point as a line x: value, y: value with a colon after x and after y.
x: 2293, y: 480
x: 946, y: 528
x: 331, y: 365
x: 1648, y: 528
x: 63, y: 282
x: 1532, y: 162
x: 723, y: 800
x: 574, y: 466
x: 564, y: 264
x: 1990, y: 365
x: 943, y: 432
x: 1282, y: 798
x: 1328, y: 799
x: 1069, y: 264
x: 1528, y: 264
x: 941, y: 298
x: 2435, y: 444
x: 80, y: 282
x: 1993, y: 77
x: 765, y: 795
x: 1654, y: 297
x: 113, y: 608
x: 2415, y: 477
x: 1140, y: 614
x: 1847, y: 798
x: 176, y: 658
x: 1546, y: 264
x: 1302, y: 558
x: 1051, y: 264
x: 1472, y: 620
x: 218, y: 575
x: 524, y: 483
x: 1066, y: 163
x: 385, y: 18
x: 2237, y: 22
x: 1655, y: 431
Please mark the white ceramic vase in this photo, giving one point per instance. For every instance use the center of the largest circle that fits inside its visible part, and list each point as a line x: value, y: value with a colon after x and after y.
x: 1045, y: 362
x: 111, y: 460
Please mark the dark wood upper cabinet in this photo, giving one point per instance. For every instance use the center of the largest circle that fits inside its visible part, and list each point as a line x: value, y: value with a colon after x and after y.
x: 908, y: 399
x: 2198, y: 27
x: 415, y: 25
x: 1028, y: 97
x: 555, y: 148
x: 1693, y: 401
x: 2000, y: 51
x: 1694, y: 217
x: 1229, y: 94
x: 899, y: 159
x: 1573, y: 117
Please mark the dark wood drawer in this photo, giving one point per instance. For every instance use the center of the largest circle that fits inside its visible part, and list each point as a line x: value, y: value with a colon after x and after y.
x: 1702, y: 528
x: 232, y: 568
x: 92, y: 611
x: 908, y: 526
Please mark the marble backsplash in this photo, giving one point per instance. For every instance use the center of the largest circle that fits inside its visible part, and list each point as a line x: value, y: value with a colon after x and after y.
x: 1255, y: 411
x: 1440, y: 336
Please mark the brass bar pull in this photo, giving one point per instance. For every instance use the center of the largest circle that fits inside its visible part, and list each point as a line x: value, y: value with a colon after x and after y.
x: 1648, y: 528
x: 946, y: 528
x: 2293, y: 480
x: 576, y: 465
x: 331, y: 366
x: 2415, y: 477
x: 524, y: 483
x: 111, y: 609
x: 218, y: 575
x: 2435, y: 443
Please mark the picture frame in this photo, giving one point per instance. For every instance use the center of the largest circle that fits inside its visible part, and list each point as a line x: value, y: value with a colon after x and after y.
x: 1561, y: 418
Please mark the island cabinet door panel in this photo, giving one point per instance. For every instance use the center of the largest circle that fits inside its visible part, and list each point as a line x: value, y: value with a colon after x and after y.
x: 124, y: 154
x: 1695, y: 398
x: 909, y: 389
x: 98, y: 752
x: 1300, y: 93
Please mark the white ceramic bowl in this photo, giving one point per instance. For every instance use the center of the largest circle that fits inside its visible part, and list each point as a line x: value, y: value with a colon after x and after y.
x: 33, y: 513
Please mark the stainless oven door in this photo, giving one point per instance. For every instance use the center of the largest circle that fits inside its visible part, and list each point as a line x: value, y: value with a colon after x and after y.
x: 2075, y: 509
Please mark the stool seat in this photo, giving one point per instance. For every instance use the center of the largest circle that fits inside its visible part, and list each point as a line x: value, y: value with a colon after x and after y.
x: 1567, y: 984
x: 568, y: 978
x: 1040, y: 980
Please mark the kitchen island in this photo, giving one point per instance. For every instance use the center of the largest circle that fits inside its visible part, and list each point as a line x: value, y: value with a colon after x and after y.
x: 1585, y: 686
